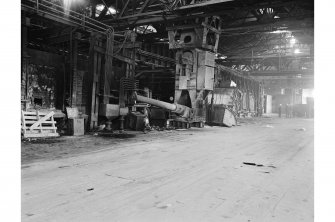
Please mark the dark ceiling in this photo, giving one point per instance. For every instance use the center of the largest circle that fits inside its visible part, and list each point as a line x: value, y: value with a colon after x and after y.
x: 256, y: 36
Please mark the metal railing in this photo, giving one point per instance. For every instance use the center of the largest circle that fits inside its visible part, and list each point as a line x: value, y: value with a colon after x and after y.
x: 46, y: 7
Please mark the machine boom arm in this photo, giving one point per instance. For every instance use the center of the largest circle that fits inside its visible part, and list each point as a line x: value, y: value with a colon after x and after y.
x: 181, y: 110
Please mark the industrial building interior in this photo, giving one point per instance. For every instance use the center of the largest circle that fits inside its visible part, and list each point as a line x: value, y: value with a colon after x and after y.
x: 167, y: 110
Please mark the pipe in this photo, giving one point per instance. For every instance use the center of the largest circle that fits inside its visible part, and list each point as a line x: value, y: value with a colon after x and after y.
x: 168, y: 106
x: 181, y: 110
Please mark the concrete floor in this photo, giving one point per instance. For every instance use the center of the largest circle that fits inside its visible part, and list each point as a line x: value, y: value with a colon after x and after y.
x: 193, y: 175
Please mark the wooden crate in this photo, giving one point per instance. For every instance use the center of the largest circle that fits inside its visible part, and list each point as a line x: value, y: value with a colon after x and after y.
x: 38, y: 124
x: 76, y: 127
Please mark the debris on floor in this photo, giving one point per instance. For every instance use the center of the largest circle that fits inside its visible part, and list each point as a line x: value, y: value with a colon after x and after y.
x: 163, y: 206
x: 253, y: 164
x: 301, y: 129
x: 258, y: 165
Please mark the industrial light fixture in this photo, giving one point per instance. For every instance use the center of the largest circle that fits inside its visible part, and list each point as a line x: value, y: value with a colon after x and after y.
x: 111, y: 11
